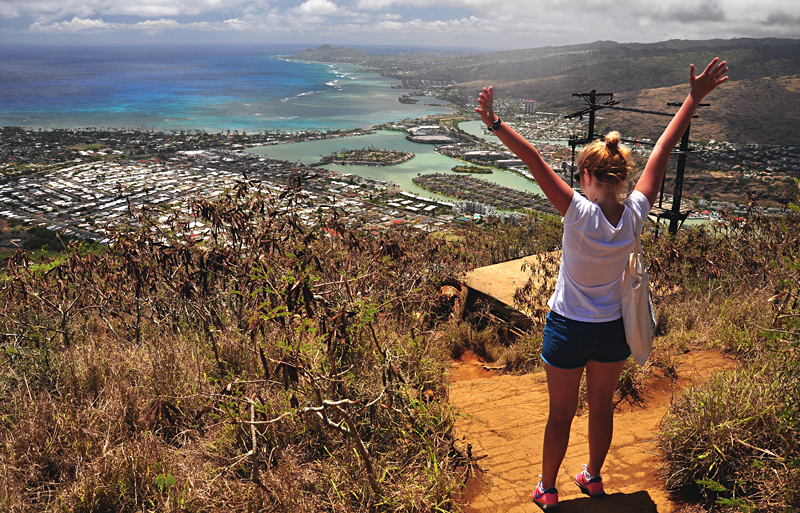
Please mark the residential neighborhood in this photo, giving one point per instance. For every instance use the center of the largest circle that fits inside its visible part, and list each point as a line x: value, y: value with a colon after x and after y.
x: 81, y: 182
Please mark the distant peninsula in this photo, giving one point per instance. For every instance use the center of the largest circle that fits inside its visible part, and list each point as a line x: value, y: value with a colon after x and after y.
x: 331, y: 53
x: 472, y: 169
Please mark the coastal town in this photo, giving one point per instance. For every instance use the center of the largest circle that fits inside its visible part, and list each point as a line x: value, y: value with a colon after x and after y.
x: 84, y: 196
x: 468, y: 188
x: 765, y: 162
x: 80, y: 182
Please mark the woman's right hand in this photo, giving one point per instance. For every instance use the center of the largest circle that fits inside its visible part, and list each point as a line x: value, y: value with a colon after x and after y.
x: 485, y: 107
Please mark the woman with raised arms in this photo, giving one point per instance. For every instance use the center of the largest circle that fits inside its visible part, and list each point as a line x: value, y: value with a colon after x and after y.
x: 584, y: 328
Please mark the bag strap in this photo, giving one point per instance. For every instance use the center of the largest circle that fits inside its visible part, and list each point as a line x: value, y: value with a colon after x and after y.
x: 638, y: 257
x: 637, y: 244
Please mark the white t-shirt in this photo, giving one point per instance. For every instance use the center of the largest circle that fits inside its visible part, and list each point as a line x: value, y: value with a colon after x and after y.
x: 594, y: 257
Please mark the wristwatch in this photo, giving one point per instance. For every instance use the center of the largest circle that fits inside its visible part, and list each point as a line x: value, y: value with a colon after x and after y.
x: 494, y: 126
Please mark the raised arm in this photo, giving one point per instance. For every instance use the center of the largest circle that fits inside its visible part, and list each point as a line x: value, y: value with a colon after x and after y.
x: 650, y: 181
x: 558, y: 192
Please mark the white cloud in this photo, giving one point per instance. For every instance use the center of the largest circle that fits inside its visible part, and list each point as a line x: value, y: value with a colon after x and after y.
x: 74, y: 25
x: 317, y: 7
x: 79, y: 25
x: 143, y: 8
x: 236, y: 24
x: 467, y: 4
x: 507, y: 24
x: 155, y: 26
x: 375, y: 4
x: 255, y: 6
x: 419, y: 27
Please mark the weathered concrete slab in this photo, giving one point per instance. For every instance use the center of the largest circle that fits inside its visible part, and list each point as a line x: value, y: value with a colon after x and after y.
x: 500, y: 283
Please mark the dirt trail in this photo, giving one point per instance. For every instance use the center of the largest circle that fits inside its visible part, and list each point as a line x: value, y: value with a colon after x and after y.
x: 503, y: 417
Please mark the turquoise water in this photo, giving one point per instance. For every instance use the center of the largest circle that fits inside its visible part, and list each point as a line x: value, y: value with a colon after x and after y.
x: 426, y: 160
x: 209, y: 88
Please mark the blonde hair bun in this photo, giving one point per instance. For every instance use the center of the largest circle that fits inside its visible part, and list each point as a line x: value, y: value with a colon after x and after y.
x: 608, y: 160
x: 612, y: 139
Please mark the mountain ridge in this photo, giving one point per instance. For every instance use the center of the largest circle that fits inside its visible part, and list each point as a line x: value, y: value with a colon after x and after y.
x: 766, y: 71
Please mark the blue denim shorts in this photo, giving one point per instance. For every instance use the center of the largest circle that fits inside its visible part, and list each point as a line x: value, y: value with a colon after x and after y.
x: 571, y: 344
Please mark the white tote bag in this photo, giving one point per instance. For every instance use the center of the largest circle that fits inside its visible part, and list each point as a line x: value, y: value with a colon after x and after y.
x: 637, y: 307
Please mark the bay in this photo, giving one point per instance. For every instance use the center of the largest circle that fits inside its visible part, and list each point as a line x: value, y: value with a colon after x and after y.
x: 426, y: 161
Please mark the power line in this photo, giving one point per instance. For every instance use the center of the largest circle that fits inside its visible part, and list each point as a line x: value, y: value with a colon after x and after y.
x: 675, y: 214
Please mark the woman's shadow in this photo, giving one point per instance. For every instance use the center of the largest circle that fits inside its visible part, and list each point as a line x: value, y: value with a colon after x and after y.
x: 637, y: 502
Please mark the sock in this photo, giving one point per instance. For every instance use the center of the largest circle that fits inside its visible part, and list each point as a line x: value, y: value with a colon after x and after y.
x: 587, y: 475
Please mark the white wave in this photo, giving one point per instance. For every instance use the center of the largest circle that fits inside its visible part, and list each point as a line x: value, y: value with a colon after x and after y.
x: 295, y: 97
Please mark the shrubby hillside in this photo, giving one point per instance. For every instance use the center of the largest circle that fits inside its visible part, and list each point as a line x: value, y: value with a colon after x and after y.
x: 276, y: 365
x: 272, y: 364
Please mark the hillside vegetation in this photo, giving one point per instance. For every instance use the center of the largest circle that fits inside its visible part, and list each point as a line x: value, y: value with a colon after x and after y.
x: 277, y: 365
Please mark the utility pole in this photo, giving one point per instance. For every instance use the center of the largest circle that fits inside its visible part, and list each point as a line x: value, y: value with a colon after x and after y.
x: 591, y: 100
x: 675, y: 214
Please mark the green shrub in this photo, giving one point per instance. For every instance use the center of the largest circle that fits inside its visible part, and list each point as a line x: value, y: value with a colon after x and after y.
x: 734, y: 441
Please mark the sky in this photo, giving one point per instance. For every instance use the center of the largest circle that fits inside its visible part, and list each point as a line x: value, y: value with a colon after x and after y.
x: 485, y: 24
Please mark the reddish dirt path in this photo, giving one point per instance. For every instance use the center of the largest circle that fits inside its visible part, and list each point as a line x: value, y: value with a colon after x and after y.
x: 503, y: 418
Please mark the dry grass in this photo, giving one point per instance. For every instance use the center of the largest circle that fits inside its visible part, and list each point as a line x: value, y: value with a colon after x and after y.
x: 272, y: 367
x: 731, y: 443
x: 284, y: 367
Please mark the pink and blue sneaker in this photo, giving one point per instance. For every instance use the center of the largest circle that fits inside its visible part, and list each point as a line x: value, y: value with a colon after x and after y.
x: 545, y: 499
x: 589, y: 484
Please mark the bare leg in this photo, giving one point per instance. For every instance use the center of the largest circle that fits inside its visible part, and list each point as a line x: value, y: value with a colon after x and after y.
x: 562, y: 387
x: 601, y: 382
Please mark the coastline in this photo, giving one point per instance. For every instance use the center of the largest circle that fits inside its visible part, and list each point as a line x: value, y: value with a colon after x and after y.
x: 426, y: 161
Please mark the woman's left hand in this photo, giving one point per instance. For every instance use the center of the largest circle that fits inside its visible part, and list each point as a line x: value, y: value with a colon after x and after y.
x: 485, y: 108
x: 707, y: 81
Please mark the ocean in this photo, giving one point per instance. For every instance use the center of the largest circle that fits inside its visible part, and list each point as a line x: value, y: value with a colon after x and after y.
x: 211, y: 88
